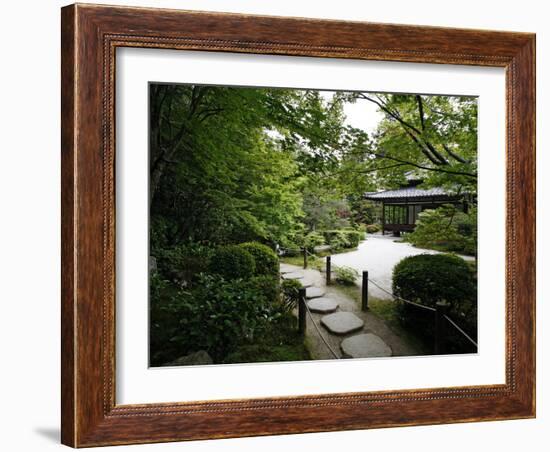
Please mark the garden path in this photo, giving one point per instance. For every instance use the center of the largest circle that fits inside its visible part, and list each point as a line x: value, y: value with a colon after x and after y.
x: 378, y: 255
x: 371, y: 323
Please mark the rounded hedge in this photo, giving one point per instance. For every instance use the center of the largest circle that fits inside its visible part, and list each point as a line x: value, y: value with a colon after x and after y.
x: 267, y: 262
x: 343, y: 238
x: 372, y: 228
x: 232, y: 262
x: 429, y: 278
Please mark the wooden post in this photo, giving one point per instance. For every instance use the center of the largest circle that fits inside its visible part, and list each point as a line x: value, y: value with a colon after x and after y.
x: 305, y: 257
x: 302, y: 311
x: 328, y: 270
x: 383, y: 217
x: 441, y: 309
x: 365, y: 292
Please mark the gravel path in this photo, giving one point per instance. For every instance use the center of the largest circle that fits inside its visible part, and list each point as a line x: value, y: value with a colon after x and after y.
x: 378, y: 255
x: 373, y: 324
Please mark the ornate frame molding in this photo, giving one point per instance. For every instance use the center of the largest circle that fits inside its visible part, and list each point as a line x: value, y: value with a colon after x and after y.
x: 90, y: 36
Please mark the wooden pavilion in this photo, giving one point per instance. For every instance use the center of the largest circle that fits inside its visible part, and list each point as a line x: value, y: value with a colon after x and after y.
x: 401, y: 207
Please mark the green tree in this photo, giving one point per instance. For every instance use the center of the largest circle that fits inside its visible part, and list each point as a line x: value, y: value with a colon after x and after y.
x: 226, y: 163
x: 436, y: 136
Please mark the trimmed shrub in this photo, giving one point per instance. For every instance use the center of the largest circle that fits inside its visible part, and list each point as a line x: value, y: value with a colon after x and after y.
x: 434, y: 277
x: 265, y: 259
x: 313, y: 239
x: 429, y: 278
x: 336, y: 239
x: 354, y: 237
x: 343, y: 238
x: 232, y: 262
x: 372, y: 228
x: 266, y: 285
x: 346, y: 275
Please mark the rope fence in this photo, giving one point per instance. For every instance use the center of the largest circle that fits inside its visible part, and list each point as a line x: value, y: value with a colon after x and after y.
x: 418, y: 305
x: 439, y: 311
x: 428, y: 308
x: 460, y: 330
x: 333, y: 353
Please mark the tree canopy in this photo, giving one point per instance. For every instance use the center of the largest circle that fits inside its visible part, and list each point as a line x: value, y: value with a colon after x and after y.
x: 234, y: 164
x: 433, y: 136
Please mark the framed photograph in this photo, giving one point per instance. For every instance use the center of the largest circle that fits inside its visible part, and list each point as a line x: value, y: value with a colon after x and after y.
x: 281, y: 225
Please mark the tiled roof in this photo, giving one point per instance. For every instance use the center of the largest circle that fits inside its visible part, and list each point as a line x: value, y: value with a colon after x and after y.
x: 408, y: 192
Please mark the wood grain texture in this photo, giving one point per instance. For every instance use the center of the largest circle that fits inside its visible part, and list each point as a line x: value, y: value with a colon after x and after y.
x: 67, y: 224
x: 90, y: 36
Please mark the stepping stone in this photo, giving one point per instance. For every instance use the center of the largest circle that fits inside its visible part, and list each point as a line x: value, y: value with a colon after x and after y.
x: 294, y: 275
x: 365, y: 346
x: 285, y: 268
x: 314, y: 292
x: 306, y: 282
x: 322, y: 305
x: 342, y: 322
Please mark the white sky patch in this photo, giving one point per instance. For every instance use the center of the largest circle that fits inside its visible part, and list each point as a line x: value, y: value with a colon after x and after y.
x: 362, y: 114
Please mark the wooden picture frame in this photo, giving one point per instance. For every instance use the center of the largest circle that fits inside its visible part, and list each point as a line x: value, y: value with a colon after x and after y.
x: 90, y: 36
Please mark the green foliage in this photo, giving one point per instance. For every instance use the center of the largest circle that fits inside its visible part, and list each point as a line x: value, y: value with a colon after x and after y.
x: 266, y: 285
x: 343, y: 238
x: 265, y: 259
x: 160, y: 233
x: 216, y: 316
x: 438, y: 133
x: 446, y: 229
x: 434, y: 277
x: 429, y: 278
x: 162, y: 322
x: 215, y: 173
x: 276, y: 166
x: 354, y: 237
x: 182, y: 263
x: 290, y: 289
x: 313, y: 239
x: 280, y: 341
x: 324, y: 207
x: 294, y: 243
x: 232, y: 262
x: 365, y: 210
x: 346, y: 275
x: 267, y: 353
x: 372, y: 228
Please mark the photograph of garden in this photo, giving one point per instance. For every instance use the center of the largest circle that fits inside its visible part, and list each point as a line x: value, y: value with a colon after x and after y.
x: 300, y: 224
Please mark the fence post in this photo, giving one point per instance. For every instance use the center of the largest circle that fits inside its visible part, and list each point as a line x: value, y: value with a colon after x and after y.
x: 328, y: 270
x: 441, y: 309
x: 305, y: 257
x: 302, y: 311
x: 365, y: 292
